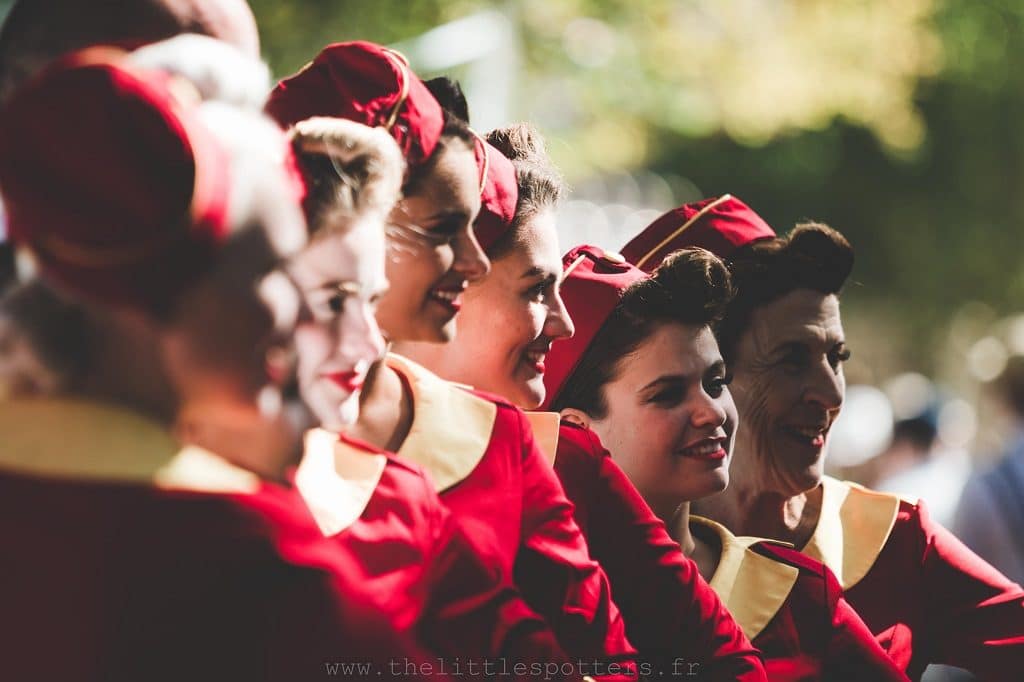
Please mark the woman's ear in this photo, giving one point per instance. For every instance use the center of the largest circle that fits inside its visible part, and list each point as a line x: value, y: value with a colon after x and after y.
x: 577, y: 417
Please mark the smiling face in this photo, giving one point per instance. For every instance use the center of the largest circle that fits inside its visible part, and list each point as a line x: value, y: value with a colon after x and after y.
x: 432, y: 253
x: 670, y: 418
x: 341, y: 276
x: 789, y: 388
x: 510, y: 319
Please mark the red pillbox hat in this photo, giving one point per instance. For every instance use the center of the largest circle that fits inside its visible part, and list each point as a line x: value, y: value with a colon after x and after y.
x: 594, y: 280
x: 721, y: 225
x: 499, y: 193
x: 368, y: 84
x: 111, y: 181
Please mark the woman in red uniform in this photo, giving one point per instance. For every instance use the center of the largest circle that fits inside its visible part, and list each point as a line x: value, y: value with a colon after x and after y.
x: 925, y: 596
x: 412, y: 559
x: 131, y: 558
x: 647, y: 377
x: 505, y: 330
x: 478, y: 450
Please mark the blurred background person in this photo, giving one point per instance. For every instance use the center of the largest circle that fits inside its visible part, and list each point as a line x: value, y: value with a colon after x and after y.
x: 990, y: 516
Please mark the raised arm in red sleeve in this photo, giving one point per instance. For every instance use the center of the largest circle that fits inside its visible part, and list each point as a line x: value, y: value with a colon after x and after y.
x: 816, y: 634
x: 672, y: 616
x: 930, y: 599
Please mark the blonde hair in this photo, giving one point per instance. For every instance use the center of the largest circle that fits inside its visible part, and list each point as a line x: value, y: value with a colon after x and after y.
x: 350, y: 170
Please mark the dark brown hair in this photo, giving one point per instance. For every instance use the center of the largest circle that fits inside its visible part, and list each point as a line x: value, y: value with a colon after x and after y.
x: 691, y: 287
x: 55, y: 328
x: 813, y: 256
x: 455, y: 109
x: 540, y: 184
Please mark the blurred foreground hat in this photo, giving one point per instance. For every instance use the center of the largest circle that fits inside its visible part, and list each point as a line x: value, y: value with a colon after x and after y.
x: 368, y: 84
x: 499, y: 194
x: 110, y: 180
x: 594, y: 280
x: 720, y: 224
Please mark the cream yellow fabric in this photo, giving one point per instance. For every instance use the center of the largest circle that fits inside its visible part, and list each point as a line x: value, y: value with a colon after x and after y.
x: 753, y: 587
x: 545, y: 432
x: 337, y: 480
x: 852, y: 530
x: 84, y: 440
x: 451, y: 428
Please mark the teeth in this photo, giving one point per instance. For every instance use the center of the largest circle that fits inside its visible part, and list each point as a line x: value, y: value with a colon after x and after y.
x: 535, y: 356
x: 808, y: 432
x: 706, y: 449
x: 446, y: 295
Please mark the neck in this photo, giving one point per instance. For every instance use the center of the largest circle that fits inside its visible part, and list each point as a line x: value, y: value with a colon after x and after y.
x: 427, y: 354
x: 385, y: 409
x: 679, y: 529
x: 765, y: 513
x: 125, y: 367
x: 705, y: 555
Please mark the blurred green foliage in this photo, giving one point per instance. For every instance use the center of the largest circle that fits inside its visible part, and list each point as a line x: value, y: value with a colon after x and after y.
x: 900, y: 122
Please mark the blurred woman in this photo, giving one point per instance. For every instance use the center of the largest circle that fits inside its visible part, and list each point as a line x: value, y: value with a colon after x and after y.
x: 505, y: 330
x: 478, y: 450
x: 924, y: 595
x: 648, y: 379
x: 166, y: 222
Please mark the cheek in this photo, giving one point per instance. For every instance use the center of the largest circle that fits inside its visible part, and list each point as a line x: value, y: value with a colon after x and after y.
x: 313, y: 346
x: 753, y: 398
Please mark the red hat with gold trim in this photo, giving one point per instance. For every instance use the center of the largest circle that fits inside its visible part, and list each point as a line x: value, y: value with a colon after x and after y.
x: 111, y: 181
x: 592, y: 285
x: 499, y: 194
x: 720, y: 224
x: 368, y: 84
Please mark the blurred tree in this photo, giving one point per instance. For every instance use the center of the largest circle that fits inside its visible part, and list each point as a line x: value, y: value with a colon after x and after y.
x: 901, y: 122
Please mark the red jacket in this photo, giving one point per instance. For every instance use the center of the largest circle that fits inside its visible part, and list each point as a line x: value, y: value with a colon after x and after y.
x: 925, y: 596
x: 412, y: 559
x: 672, y: 616
x: 480, y: 453
x: 125, y: 559
x: 793, y: 608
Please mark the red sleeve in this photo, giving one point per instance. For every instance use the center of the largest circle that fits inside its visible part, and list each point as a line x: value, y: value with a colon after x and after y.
x: 473, y: 611
x: 672, y: 614
x: 558, y: 576
x: 853, y: 653
x: 817, y: 629
x: 977, y: 614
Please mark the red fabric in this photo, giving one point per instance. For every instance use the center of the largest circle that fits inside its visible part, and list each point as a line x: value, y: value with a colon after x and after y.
x: 112, y: 181
x: 593, y: 285
x: 719, y: 224
x: 497, y: 198
x: 368, y: 84
x: 817, y: 635
x: 128, y: 582
x: 411, y: 557
x: 516, y: 514
x: 672, y: 616
x: 929, y: 599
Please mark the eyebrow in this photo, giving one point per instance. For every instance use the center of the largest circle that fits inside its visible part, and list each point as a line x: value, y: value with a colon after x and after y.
x: 448, y: 214
x: 537, y: 271
x: 718, y: 365
x: 667, y: 379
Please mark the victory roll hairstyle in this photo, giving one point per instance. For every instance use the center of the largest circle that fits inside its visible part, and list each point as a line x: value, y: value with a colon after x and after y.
x: 691, y: 287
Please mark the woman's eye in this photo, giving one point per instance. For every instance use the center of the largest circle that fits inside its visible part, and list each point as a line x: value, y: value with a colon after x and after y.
x: 336, y: 303
x: 668, y: 396
x: 716, y: 386
x: 838, y: 356
x: 536, y: 292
